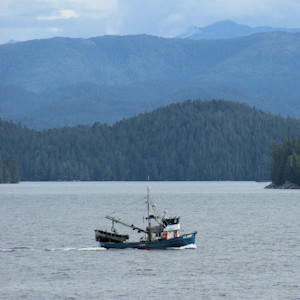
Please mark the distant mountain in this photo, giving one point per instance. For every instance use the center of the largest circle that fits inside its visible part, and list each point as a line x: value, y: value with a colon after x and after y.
x: 64, y: 81
x: 83, y: 103
x: 228, y: 29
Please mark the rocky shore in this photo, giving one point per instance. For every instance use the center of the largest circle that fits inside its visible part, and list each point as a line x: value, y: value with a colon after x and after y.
x: 287, y: 185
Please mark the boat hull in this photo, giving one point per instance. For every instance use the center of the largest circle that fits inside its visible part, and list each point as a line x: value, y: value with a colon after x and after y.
x: 177, y: 242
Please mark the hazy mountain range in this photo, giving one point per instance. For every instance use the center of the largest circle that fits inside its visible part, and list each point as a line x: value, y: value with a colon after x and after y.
x: 228, y: 29
x: 63, y: 81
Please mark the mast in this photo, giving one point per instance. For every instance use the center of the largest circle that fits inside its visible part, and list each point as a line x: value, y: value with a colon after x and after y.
x: 149, y: 219
x: 148, y: 205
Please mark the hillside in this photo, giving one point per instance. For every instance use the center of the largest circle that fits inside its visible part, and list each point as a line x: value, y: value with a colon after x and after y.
x: 193, y: 140
x: 63, y: 81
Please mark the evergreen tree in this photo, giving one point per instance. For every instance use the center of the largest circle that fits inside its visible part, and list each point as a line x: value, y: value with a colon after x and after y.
x: 9, y: 171
x: 285, y: 162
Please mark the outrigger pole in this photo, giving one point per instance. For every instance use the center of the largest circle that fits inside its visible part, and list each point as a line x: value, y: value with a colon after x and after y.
x: 128, y: 225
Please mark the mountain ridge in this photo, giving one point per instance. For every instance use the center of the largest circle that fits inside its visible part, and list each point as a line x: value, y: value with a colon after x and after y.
x: 63, y: 81
x: 228, y: 29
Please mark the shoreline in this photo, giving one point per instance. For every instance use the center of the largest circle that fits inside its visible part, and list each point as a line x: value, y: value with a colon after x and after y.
x: 286, y: 186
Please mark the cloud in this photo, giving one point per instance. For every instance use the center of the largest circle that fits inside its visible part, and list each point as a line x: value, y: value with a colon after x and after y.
x: 84, y: 4
x: 58, y: 15
x: 93, y: 8
x: 55, y: 29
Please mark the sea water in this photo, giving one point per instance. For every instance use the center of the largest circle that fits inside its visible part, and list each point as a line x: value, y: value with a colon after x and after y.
x: 247, y: 246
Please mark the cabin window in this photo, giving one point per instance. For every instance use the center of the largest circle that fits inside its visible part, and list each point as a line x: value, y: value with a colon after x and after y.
x: 171, y: 221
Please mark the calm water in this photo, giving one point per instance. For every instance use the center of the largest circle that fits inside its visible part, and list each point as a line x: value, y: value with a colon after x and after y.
x: 248, y: 242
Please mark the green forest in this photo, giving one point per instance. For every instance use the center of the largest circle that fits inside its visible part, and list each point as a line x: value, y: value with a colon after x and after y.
x: 193, y: 140
x: 9, y: 170
x: 285, y: 162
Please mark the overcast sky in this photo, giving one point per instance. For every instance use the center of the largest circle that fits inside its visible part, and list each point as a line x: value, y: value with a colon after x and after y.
x: 35, y: 19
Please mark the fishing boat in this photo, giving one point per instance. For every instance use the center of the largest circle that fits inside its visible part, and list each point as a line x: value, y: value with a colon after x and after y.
x: 161, y: 232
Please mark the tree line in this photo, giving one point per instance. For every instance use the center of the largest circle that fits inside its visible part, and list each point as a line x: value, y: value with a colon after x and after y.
x: 193, y: 140
x: 285, y: 162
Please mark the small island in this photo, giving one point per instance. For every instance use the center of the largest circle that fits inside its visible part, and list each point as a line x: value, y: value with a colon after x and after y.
x: 287, y: 185
x: 285, y: 165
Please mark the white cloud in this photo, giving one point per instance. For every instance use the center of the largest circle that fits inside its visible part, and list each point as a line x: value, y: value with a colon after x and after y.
x: 55, y: 29
x: 60, y: 14
x: 85, y: 7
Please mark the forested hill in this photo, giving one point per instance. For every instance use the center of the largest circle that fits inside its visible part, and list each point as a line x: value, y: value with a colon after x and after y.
x: 194, y: 140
